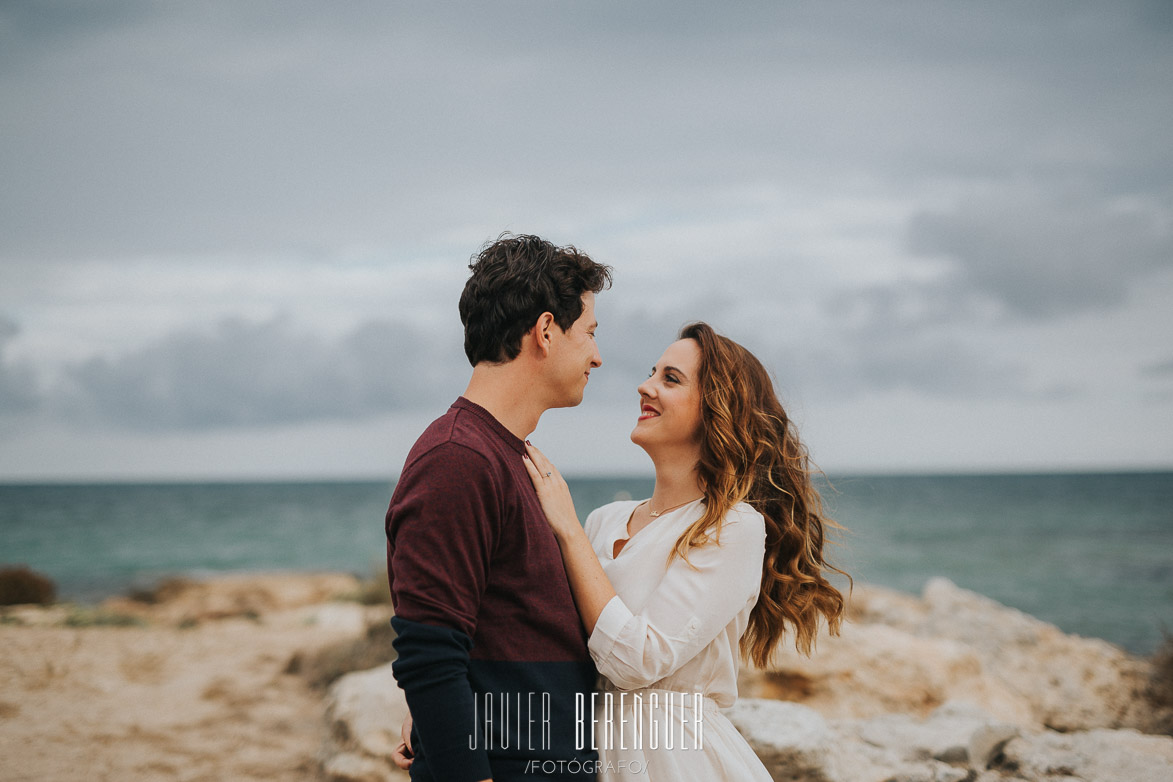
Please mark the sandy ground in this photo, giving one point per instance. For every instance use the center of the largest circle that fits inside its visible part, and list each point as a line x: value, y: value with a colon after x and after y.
x: 205, y: 702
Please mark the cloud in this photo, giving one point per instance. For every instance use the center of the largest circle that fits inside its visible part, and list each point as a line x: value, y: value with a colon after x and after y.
x: 262, y: 374
x: 18, y: 391
x: 886, y: 351
x: 1042, y: 255
x: 150, y: 128
x: 838, y: 186
x: 1159, y: 369
x: 844, y: 342
x: 277, y: 372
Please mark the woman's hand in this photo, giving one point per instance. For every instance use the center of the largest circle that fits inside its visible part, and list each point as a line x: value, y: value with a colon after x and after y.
x: 552, y: 491
x: 588, y: 583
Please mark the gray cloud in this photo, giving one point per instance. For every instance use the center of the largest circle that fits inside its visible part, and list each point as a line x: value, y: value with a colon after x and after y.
x: 1042, y: 256
x: 277, y: 372
x: 1159, y: 369
x: 272, y: 373
x: 932, y: 366
x: 892, y: 348
x: 856, y: 342
x: 752, y: 165
x: 18, y: 390
x: 145, y: 128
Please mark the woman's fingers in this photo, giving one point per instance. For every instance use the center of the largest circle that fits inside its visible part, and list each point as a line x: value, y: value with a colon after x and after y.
x: 552, y: 490
x: 535, y: 477
x: 542, y: 465
x: 536, y: 456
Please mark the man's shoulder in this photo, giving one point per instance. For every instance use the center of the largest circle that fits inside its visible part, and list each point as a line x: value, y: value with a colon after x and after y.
x: 454, y: 442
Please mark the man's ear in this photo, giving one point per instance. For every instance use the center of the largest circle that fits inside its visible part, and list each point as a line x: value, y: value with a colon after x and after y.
x: 540, y: 333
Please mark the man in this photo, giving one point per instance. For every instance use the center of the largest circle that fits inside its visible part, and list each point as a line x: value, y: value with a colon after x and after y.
x: 491, y: 652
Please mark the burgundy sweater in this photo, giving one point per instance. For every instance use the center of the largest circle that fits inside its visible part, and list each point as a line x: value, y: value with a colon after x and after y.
x: 491, y: 651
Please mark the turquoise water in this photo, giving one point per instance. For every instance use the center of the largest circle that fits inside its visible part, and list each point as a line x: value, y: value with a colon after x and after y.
x: 1092, y: 553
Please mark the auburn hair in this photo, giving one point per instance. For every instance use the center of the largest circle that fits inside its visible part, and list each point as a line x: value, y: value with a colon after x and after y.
x: 750, y: 452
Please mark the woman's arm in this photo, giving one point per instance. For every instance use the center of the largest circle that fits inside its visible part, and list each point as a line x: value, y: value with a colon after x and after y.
x: 590, y: 586
x: 693, y: 603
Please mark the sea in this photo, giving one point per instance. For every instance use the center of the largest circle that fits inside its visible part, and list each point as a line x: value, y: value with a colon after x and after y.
x: 1091, y: 553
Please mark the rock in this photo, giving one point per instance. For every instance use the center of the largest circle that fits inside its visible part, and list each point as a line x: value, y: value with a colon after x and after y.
x: 1071, y: 683
x: 34, y: 615
x: 338, y: 618
x: 948, y: 687
x: 1099, y: 755
x: 792, y: 741
x: 937, y: 773
x: 364, y: 711
x: 945, y: 736
x: 796, y: 744
x: 349, y: 767
x: 987, y: 741
x: 873, y: 669
x: 251, y: 596
x: 901, y: 654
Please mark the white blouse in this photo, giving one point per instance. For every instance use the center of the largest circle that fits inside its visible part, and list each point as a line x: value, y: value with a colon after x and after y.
x: 675, y: 626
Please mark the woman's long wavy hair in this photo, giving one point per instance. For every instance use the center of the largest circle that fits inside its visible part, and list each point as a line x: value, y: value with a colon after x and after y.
x: 750, y: 452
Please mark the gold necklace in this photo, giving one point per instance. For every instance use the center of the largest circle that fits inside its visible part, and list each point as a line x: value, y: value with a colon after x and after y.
x: 656, y: 513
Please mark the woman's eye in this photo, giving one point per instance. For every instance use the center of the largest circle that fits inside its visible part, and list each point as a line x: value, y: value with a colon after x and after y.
x: 671, y: 378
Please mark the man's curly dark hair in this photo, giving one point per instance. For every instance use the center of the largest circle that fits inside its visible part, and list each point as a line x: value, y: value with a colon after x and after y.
x: 514, y: 280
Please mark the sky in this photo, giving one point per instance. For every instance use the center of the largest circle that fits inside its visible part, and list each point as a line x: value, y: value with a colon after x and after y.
x: 233, y: 235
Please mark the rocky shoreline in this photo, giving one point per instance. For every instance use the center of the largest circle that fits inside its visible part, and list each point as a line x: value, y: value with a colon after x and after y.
x: 246, y: 678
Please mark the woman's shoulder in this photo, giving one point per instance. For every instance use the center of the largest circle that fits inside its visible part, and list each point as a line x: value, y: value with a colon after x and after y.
x: 745, y: 518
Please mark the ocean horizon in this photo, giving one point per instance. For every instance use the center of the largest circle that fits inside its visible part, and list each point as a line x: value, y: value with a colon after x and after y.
x: 1089, y: 552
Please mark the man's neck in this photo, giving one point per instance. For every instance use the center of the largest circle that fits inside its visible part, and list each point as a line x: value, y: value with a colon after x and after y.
x: 507, y: 393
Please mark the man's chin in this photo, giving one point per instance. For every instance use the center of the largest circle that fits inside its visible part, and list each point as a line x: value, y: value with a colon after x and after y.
x: 570, y: 401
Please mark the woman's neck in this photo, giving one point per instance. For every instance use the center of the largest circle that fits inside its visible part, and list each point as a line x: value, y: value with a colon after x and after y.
x: 677, y: 480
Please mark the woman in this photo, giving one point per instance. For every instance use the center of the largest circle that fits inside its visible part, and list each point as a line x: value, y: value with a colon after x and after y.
x: 720, y: 562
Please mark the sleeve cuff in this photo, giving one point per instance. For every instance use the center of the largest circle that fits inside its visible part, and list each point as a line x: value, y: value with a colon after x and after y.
x: 610, y: 623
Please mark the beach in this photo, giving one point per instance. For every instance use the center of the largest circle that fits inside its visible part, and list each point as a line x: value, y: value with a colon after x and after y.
x: 245, y: 677
x: 200, y: 688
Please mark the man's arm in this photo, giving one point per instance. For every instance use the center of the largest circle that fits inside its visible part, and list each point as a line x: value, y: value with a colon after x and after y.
x: 440, y: 538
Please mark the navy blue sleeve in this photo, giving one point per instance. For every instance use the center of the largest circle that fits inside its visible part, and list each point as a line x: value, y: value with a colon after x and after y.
x: 440, y: 530
x: 432, y: 669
